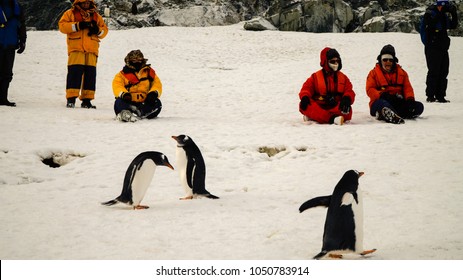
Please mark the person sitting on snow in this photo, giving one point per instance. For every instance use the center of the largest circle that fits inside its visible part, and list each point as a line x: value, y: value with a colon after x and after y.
x: 137, y: 89
x: 327, y: 95
x: 391, y: 94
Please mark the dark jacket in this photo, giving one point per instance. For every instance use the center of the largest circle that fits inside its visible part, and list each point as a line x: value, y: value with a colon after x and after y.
x: 12, y: 24
x: 437, y: 23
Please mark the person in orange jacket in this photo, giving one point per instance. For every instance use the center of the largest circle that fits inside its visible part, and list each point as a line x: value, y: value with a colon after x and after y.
x: 137, y: 89
x: 327, y: 95
x: 84, y: 28
x: 392, y: 98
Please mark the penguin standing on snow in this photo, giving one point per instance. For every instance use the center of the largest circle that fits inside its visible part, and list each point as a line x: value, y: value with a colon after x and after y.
x: 191, y: 167
x: 344, y: 220
x: 138, y: 178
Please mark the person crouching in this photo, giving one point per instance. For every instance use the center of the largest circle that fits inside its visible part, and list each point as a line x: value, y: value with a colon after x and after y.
x: 137, y: 89
x: 327, y: 95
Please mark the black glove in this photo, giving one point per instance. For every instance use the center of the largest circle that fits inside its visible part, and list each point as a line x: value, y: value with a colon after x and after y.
x: 126, y: 96
x: 305, y: 101
x: 93, y: 28
x: 344, y: 105
x: 22, y: 47
x: 83, y: 25
x: 152, y: 97
x: 410, y: 103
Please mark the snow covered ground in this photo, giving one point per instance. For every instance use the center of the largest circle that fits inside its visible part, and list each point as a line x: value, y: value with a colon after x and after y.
x: 235, y: 93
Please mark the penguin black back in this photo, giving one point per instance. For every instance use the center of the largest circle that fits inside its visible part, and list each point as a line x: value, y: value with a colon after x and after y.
x: 137, y: 178
x: 195, y: 169
x: 340, y: 225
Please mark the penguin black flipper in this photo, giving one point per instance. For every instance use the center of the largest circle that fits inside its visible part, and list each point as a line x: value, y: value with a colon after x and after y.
x: 189, y: 173
x: 320, y: 255
x: 315, y: 202
x: 109, y: 203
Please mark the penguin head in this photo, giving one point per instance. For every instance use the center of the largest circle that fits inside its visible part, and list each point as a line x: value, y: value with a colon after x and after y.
x: 161, y: 160
x: 349, y: 181
x: 182, y: 140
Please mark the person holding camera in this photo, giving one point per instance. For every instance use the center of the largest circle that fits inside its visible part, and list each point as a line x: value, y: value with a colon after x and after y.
x: 438, y: 18
x: 392, y: 98
x: 84, y: 28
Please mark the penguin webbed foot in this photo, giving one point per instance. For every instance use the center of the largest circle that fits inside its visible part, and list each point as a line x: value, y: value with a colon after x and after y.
x: 140, y: 207
x: 186, y: 198
x: 366, y: 252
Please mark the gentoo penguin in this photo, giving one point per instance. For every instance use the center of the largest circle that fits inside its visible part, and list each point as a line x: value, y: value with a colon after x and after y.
x: 138, y: 178
x: 191, y: 167
x: 344, y: 220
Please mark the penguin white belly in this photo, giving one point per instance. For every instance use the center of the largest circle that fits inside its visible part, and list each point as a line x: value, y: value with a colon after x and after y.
x: 182, y: 162
x: 141, y: 180
x: 357, y: 209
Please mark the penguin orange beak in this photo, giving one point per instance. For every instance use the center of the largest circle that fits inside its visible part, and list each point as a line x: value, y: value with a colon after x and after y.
x: 174, y: 137
x: 361, y: 174
x: 170, y: 166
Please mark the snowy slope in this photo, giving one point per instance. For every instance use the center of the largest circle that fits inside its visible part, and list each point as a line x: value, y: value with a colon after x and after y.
x: 233, y: 92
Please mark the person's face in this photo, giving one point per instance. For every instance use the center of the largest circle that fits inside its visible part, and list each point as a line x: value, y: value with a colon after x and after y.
x: 85, y: 5
x: 387, y: 61
x: 334, y: 63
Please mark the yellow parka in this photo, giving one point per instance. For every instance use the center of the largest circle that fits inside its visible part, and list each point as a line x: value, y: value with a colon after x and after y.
x: 144, y: 82
x: 78, y: 40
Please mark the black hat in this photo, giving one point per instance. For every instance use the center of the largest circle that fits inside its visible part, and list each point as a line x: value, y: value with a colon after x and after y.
x: 332, y: 53
x: 388, y: 49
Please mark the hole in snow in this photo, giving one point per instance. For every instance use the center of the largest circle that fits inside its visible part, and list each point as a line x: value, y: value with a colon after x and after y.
x: 58, y: 159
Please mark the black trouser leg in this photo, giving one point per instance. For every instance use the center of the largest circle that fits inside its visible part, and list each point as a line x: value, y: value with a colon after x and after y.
x: 6, y: 72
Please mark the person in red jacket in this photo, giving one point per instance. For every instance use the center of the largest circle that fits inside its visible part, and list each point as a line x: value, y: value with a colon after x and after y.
x: 391, y: 94
x: 327, y: 95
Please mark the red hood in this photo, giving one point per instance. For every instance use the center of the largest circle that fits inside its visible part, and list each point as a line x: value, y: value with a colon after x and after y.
x: 324, y: 60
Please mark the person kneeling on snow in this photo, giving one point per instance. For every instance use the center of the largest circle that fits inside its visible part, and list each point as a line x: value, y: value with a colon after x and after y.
x: 137, y: 89
x: 327, y: 95
x: 391, y: 94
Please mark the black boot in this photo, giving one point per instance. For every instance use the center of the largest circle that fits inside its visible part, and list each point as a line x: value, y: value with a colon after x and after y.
x: 71, y: 103
x: 87, y: 104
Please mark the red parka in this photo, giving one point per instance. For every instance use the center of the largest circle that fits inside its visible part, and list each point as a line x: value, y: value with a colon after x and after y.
x: 325, y: 89
x: 394, y: 82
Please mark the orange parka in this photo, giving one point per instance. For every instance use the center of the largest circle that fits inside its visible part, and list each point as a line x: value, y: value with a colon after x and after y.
x: 394, y: 82
x: 138, y: 84
x: 78, y: 40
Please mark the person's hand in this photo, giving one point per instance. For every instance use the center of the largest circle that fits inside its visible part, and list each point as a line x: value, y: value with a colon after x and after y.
x: 83, y: 25
x: 93, y: 29
x: 126, y: 96
x: 305, y: 101
x: 153, y: 94
x: 152, y: 97
x: 22, y: 47
x: 344, y: 105
x: 410, y: 103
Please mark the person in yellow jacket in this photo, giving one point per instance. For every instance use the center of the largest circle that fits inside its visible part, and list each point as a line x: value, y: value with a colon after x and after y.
x: 137, y: 89
x: 84, y: 28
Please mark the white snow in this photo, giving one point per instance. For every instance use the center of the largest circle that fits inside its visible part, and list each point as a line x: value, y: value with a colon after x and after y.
x: 234, y: 92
